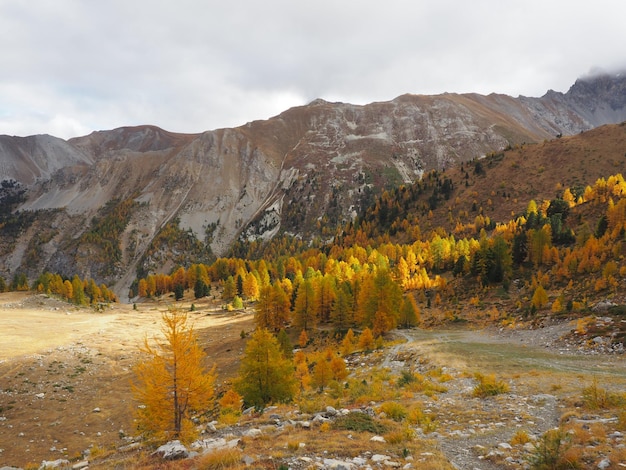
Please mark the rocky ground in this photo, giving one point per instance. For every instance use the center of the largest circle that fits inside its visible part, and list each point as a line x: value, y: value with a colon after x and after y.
x: 68, y: 404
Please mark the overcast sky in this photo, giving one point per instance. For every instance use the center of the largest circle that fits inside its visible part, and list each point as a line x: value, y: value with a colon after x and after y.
x: 68, y: 67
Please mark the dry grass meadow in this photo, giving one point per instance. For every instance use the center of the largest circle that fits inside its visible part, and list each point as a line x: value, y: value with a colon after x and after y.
x: 65, y: 371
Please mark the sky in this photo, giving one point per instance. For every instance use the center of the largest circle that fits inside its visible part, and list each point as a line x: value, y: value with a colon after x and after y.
x: 70, y: 67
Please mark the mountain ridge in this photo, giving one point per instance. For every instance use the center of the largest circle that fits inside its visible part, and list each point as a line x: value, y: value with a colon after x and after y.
x: 305, y: 170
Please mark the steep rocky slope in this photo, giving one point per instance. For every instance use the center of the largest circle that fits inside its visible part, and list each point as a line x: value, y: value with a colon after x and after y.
x: 305, y: 169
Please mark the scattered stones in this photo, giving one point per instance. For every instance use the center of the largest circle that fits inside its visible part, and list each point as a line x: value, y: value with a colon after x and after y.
x: 377, y: 439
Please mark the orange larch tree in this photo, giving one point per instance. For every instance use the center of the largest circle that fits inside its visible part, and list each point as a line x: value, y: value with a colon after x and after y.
x: 172, y: 383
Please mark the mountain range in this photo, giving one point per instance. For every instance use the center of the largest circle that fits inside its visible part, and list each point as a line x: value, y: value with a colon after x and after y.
x: 133, y: 200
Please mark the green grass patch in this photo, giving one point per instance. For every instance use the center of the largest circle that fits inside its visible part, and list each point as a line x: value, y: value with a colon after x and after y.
x: 361, y: 422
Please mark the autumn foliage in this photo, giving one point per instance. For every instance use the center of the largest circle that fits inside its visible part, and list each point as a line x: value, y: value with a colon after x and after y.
x: 173, y: 384
x: 391, y: 265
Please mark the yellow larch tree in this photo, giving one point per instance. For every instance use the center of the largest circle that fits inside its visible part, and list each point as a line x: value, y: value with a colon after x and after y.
x: 173, y: 383
x: 540, y: 297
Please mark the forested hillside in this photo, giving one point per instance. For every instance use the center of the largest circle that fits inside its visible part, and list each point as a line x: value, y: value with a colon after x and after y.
x: 533, y: 231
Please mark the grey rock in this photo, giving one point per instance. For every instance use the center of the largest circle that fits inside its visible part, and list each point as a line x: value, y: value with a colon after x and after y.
x: 604, y: 464
x: 50, y: 464
x: 603, y: 306
x: 337, y: 464
x: 173, y: 450
x: 129, y: 447
x: 253, y: 432
x: 210, y: 445
x: 319, y: 418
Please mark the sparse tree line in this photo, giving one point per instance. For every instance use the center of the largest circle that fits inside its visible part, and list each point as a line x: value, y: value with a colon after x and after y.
x: 76, y: 290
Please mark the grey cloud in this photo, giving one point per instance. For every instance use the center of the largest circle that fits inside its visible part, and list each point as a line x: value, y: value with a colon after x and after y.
x: 188, y: 66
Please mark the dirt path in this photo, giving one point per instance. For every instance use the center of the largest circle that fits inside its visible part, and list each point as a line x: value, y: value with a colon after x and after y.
x: 475, y: 433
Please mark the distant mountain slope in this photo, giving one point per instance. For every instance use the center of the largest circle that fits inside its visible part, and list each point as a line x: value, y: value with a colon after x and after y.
x: 302, y: 171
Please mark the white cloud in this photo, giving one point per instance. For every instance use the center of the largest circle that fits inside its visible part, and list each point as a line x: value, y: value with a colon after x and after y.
x: 74, y: 66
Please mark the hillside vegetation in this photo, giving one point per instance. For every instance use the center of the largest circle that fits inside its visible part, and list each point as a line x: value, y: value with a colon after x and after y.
x: 533, y: 231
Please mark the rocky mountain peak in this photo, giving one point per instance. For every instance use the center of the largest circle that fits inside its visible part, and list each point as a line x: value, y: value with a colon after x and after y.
x: 605, y: 88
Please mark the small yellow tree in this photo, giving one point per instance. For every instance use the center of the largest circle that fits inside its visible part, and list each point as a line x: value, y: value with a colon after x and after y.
x: 540, y: 297
x: 303, y: 339
x: 366, y: 340
x: 322, y: 374
x: 172, y: 383
x: 303, y: 377
x: 338, y: 367
x: 348, y: 345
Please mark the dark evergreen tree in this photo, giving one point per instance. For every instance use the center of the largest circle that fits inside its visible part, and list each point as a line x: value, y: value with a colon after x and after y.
x: 558, y: 206
x: 460, y: 266
x: 179, y: 291
x: 239, y: 285
x: 603, y: 225
x: 519, y: 251
x: 285, y: 343
x: 201, y: 289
